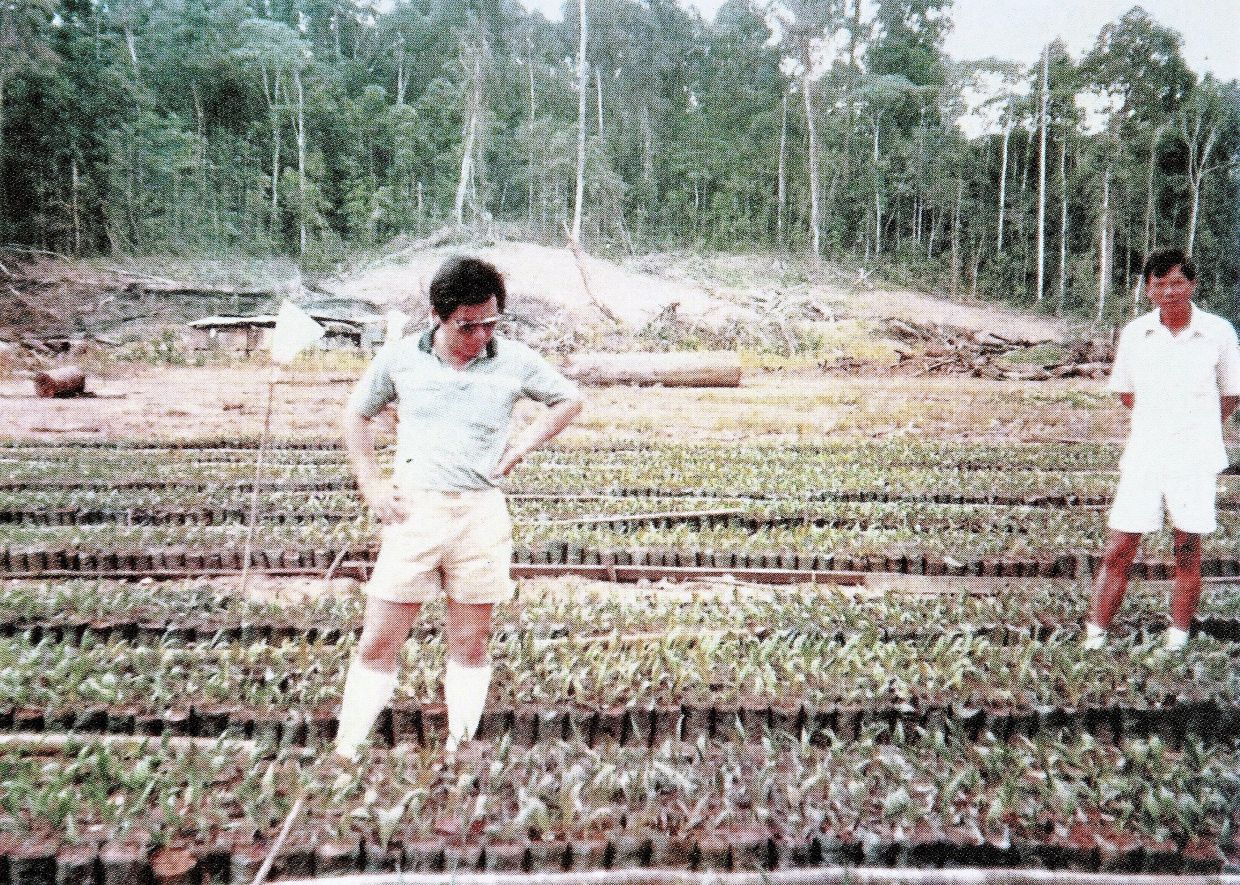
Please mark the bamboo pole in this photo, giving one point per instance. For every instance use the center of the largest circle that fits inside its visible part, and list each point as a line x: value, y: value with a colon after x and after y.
x: 258, y: 470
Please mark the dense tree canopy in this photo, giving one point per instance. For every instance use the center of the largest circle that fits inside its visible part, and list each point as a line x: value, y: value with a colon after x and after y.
x: 312, y: 127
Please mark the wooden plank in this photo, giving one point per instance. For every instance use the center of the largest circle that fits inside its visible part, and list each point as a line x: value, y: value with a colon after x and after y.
x: 635, y: 517
x: 633, y: 573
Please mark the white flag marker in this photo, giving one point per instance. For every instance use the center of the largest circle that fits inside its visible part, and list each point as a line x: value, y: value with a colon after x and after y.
x: 295, y: 331
x: 396, y: 321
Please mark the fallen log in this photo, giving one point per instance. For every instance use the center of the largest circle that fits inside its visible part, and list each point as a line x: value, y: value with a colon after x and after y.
x: 707, y: 369
x: 64, y: 381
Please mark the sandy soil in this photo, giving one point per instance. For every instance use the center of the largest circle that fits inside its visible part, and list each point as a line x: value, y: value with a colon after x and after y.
x: 549, y: 275
x: 227, y: 402
x: 713, y: 291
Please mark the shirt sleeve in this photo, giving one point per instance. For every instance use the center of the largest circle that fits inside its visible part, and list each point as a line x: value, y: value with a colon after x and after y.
x: 1229, y: 364
x: 545, y: 384
x: 1121, y: 371
x: 375, y: 389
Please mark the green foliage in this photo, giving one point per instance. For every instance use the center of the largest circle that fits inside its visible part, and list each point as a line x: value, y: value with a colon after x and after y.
x: 173, y: 127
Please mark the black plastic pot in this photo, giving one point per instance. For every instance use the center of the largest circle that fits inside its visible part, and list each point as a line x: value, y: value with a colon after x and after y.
x: 124, y: 864
x: 175, y: 866
x: 33, y: 862
x: 505, y: 857
x: 75, y: 865
x: 377, y: 859
x: 337, y: 857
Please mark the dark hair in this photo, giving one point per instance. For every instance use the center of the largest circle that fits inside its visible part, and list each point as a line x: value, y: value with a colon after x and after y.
x: 1162, y: 262
x: 464, y: 280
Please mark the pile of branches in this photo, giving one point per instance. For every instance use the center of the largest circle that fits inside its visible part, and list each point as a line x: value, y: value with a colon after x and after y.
x: 944, y: 350
x: 52, y: 304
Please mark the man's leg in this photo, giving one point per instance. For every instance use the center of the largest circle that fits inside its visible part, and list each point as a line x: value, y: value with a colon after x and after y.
x: 1187, y: 590
x: 372, y: 673
x: 1111, y: 583
x: 467, y: 677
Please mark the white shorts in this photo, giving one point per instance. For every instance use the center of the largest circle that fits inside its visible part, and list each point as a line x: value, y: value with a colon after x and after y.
x: 1188, y: 498
x: 459, y: 543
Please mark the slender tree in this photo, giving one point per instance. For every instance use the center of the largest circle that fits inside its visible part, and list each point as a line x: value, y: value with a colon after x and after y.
x: 582, y: 85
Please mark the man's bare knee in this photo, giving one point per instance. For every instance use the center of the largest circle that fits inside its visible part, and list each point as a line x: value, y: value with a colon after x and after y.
x: 380, y: 651
x: 467, y: 645
x: 469, y: 629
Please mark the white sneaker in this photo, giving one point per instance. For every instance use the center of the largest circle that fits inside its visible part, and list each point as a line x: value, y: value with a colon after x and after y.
x: 348, y: 752
x: 1176, y: 639
x: 1095, y: 638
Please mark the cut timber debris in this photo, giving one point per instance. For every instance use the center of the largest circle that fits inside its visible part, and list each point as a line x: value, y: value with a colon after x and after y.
x: 945, y: 350
x: 65, y: 381
x: 708, y: 369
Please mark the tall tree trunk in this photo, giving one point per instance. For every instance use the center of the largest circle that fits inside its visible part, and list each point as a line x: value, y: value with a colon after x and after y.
x: 598, y: 94
x: 131, y: 45
x: 815, y: 223
x: 4, y: 201
x: 878, y: 205
x: 301, y: 162
x: 647, y: 145
x: 1003, y: 165
x: 780, y: 185
x: 956, y: 238
x: 77, y: 222
x: 1063, y: 225
x: 1147, y: 244
x: 1104, y: 245
x: 400, y: 71
x: 271, y: 89
x: 470, y: 138
x: 529, y: 64
x: 1042, y: 180
x: 1198, y: 169
x: 579, y: 196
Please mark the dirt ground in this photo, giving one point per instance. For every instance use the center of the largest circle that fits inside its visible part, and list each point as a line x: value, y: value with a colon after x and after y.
x: 139, y: 402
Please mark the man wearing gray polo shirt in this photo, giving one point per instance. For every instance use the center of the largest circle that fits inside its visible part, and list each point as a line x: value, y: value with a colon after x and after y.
x: 1178, y: 369
x: 446, y: 525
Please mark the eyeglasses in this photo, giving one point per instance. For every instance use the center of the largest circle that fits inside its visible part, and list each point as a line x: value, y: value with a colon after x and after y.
x: 468, y: 326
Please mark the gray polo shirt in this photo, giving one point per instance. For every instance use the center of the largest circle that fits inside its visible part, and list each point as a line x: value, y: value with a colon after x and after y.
x: 454, y: 422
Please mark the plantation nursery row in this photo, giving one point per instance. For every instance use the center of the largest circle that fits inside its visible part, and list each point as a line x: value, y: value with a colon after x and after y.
x: 896, y: 452
x: 728, y: 728
x: 788, y: 681
x: 194, y: 609
x: 606, y: 563
x: 926, y: 799
x: 941, y: 487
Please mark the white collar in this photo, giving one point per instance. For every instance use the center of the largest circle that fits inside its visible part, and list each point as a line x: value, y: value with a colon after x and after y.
x: 1150, y: 323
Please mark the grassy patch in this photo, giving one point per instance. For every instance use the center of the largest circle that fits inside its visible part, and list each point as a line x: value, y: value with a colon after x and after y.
x: 1039, y: 355
x: 1079, y: 399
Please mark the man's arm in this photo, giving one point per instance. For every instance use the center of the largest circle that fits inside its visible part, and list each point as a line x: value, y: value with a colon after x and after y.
x: 1229, y: 404
x: 359, y: 442
x: 545, y: 428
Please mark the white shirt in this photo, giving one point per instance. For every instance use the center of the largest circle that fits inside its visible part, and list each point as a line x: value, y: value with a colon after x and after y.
x: 1176, y: 381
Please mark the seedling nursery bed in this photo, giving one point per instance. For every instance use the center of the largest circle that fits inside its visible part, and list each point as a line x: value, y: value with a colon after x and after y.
x: 162, y: 730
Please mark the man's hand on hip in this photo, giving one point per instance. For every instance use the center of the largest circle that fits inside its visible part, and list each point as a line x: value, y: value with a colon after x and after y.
x: 385, y: 501
x: 509, y: 459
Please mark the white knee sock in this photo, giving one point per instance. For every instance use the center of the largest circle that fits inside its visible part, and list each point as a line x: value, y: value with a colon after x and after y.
x: 465, y: 694
x: 366, y: 693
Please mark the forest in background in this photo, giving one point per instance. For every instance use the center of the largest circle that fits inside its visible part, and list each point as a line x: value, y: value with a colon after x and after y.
x: 832, y: 130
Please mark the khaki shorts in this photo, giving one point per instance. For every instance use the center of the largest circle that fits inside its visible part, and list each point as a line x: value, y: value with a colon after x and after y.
x: 456, y: 542
x: 1187, y: 497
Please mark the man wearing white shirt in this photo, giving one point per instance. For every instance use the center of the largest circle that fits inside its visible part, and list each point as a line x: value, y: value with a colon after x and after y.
x: 1178, y: 369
